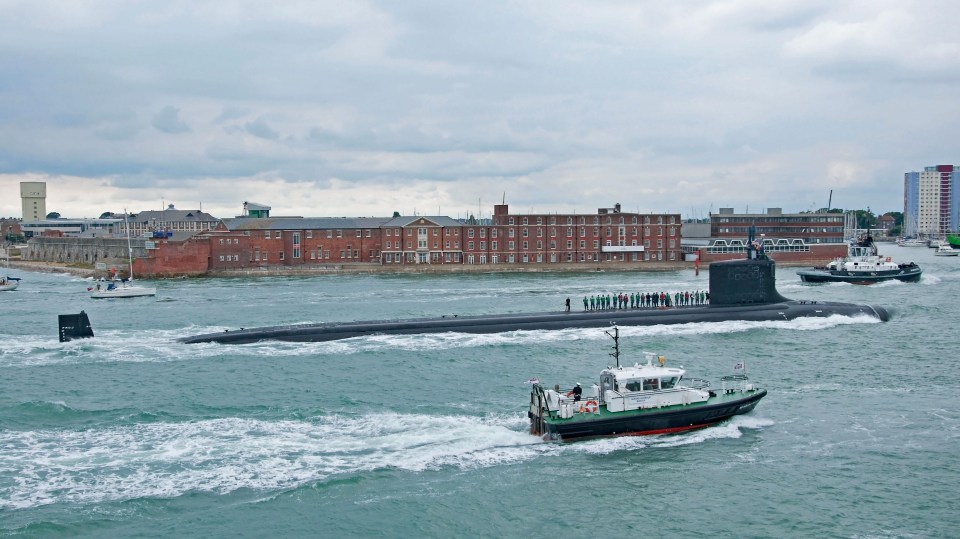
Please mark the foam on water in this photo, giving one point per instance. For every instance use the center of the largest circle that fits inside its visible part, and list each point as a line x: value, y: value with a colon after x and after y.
x: 165, y: 460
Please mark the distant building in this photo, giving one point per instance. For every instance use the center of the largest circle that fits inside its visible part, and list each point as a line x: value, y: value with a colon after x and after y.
x: 33, y: 198
x: 786, y: 237
x: 886, y: 223
x: 931, y: 201
x: 149, y: 222
x: 252, y: 209
x: 72, y: 228
x: 10, y: 228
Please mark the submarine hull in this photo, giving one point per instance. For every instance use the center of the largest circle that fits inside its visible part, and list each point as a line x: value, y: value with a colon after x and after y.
x: 739, y: 290
x: 788, y: 310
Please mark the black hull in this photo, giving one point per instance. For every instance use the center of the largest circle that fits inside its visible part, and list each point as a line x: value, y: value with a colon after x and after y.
x: 824, y: 276
x: 496, y: 323
x: 667, y: 421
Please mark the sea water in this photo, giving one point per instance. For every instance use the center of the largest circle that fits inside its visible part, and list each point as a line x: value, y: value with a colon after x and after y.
x: 131, y: 433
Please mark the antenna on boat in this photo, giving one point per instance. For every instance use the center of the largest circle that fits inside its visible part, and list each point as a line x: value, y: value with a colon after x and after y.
x: 616, y: 343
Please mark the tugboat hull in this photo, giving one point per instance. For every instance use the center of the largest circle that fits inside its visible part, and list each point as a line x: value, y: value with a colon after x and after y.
x: 910, y: 275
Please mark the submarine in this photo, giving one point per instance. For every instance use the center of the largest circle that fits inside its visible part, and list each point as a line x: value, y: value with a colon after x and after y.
x: 743, y: 289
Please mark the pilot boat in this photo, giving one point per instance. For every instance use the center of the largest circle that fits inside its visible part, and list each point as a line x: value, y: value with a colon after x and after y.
x: 643, y: 399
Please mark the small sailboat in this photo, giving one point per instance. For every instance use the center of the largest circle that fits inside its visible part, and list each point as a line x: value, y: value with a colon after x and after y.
x: 122, y: 288
x: 9, y: 283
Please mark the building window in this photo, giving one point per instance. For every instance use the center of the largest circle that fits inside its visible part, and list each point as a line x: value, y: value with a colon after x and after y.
x: 339, y: 233
x: 266, y: 234
x: 309, y: 234
x: 359, y: 233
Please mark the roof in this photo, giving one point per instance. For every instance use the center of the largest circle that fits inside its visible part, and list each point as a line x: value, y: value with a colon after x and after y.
x: 645, y: 371
x: 436, y: 220
x: 172, y: 215
x: 303, y: 223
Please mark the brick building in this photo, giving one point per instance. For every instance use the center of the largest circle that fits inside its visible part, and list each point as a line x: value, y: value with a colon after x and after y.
x: 786, y: 237
x: 610, y: 235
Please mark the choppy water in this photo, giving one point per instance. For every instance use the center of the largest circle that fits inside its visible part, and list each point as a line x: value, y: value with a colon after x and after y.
x: 133, y: 434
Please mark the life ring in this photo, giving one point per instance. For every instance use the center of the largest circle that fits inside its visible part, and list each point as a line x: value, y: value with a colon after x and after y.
x: 589, y: 407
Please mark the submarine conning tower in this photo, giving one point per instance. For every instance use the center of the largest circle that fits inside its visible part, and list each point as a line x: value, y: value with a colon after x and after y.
x: 745, y: 282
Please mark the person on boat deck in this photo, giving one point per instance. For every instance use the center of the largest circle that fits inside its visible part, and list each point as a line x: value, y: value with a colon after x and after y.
x: 576, y: 392
x: 568, y: 304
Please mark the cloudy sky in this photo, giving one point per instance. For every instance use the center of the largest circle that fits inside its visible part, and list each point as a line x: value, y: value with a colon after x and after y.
x: 363, y: 108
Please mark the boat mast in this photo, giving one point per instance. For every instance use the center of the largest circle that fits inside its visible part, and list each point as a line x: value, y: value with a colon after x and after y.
x: 616, y: 343
x: 126, y: 218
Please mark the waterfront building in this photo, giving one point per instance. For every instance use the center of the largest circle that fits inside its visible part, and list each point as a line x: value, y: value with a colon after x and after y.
x: 786, y: 237
x: 247, y: 242
x: 930, y: 201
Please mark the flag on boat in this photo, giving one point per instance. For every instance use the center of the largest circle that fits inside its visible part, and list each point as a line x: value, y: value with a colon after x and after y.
x: 533, y: 381
x: 739, y: 367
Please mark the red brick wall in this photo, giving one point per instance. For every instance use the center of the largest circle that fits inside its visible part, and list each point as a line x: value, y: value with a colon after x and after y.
x: 169, y: 258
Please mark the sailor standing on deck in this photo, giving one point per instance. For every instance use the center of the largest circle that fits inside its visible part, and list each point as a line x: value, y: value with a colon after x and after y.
x: 568, y: 304
x: 576, y: 392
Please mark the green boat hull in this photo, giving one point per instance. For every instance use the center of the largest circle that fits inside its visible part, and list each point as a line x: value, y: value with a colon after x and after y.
x: 954, y: 240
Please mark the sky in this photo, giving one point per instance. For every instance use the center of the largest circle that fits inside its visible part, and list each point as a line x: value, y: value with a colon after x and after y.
x: 363, y: 108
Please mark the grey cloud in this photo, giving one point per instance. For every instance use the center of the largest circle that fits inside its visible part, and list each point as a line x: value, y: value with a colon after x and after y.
x: 260, y: 129
x: 168, y: 121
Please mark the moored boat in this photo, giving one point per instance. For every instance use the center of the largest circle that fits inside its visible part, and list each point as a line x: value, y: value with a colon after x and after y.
x: 862, y: 265
x: 642, y: 399
x: 954, y: 240
x: 911, y: 242
x: 946, y: 250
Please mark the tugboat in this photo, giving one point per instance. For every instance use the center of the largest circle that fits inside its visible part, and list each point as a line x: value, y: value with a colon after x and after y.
x: 862, y: 265
x: 639, y: 400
